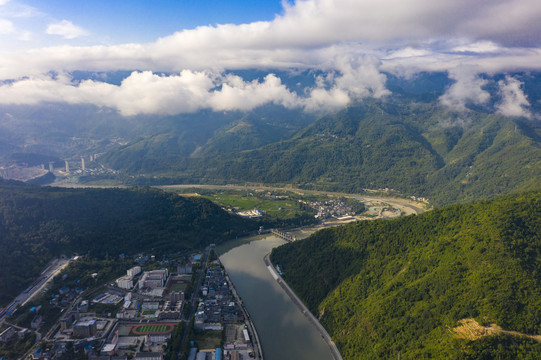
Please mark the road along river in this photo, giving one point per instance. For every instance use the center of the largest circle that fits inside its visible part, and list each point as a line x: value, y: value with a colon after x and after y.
x: 284, y: 331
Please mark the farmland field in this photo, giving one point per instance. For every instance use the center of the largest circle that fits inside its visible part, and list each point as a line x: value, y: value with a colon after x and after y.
x: 283, y: 208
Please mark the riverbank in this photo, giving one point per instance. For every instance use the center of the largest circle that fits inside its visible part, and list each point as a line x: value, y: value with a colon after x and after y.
x: 258, y: 350
x: 284, y: 331
x: 324, y: 334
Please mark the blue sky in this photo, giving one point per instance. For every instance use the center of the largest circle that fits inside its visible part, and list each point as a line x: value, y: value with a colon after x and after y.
x: 122, y: 21
x: 352, y: 44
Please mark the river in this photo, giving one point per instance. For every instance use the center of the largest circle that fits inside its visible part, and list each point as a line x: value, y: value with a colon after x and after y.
x: 284, y: 332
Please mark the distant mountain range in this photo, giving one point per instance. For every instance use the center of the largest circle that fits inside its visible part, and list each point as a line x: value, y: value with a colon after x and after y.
x: 425, y: 286
x: 407, y: 141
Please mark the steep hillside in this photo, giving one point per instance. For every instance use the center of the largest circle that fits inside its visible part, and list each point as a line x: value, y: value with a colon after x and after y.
x: 417, y: 148
x: 39, y: 223
x: 409, y: 286
x: 174, y: 144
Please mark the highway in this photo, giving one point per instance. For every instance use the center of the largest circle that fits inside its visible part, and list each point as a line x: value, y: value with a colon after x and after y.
x: 53, y: 269
x: 334, y: 350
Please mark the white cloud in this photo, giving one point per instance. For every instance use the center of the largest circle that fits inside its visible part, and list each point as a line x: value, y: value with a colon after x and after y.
x: 353, y: 39
x: 148, y: 93
x: 361, y: 78
x: 236, y: 94
x: 66, y: 29
x: 311, y: 32
x: 513, y: 102
x: 478, y: 47
x: 321, y: 99
x: 467, y: 89
x: 188, y: 91
x: 3, y: 2
x: 6, y: 27
x: 358, y: 78
x: 407, y: 52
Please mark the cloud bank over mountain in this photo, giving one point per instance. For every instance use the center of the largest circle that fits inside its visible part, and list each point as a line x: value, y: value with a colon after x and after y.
x: 353, y: 41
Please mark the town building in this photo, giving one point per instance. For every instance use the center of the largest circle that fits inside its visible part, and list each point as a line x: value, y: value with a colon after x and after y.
x: 125, y: 282
x: 36, y: 322
x: 85, y: 328
x: 184, y: 269
x: 134, y: 271
x: 7, y: 334
x: 176, y: 296
x: 150, y: 305
x: 68, y: 320
x: 149, y: 356
x: 153, y: 279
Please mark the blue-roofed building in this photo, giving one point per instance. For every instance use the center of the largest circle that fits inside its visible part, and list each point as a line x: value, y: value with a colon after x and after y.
x: 218, y: 354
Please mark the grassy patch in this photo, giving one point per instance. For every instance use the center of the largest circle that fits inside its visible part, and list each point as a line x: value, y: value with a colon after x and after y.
x: 179, y: 286
x: 153, y: 328
x: 209, y: 339
x: 274, y: 208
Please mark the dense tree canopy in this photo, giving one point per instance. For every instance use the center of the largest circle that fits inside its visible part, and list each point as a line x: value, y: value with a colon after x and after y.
x: 401, y: 286
x: 37, y: 224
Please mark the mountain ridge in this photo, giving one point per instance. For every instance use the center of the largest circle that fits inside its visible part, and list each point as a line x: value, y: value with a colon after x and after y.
x: 387, y: 287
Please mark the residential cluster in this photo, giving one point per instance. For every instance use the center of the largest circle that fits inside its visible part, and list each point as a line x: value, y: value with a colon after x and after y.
x: 219, y: 309
x: 329, y: 208
x: 133, y: 317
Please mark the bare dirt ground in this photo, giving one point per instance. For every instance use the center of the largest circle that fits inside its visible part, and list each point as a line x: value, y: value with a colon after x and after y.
x: 472, y: 330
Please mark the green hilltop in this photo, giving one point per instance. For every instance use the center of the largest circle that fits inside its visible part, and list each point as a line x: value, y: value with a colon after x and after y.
x: 37, y: 224
x: 425, y: 286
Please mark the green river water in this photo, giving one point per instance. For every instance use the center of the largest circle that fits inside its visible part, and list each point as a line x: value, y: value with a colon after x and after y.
x: 283, y: 330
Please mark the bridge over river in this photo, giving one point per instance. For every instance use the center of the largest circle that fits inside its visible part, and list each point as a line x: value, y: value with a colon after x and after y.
x: 284, y: 235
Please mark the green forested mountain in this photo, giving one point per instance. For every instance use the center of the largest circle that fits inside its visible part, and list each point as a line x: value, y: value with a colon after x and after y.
x: 385, y: 288
x: 408, y: 141
x: 417, y: 148
x: 37, y: 224
x: 168, y: 145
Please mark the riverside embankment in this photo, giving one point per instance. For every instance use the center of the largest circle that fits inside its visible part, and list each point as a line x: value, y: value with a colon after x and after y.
x: 284, y: 331
x: 300, y: 305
